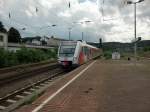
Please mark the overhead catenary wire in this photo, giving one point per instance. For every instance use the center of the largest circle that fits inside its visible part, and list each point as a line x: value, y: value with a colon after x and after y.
x: 24, y: 24
x: 60, y: 21
x: 37, y: 9
x: 103, y: 12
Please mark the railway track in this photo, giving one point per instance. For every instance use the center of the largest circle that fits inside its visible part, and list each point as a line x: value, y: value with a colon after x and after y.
x: 19, y: 67
x: 7, y: 78
x: 25, y: 94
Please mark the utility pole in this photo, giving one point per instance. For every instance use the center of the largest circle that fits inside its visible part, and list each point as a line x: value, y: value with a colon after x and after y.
x: 82, y: 36
x: 100, y: 43
x: 69, y: 34
x: 69, y: 29
x: 135, y: 45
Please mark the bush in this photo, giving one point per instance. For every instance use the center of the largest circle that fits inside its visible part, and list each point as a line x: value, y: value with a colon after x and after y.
x: 146, y: 49
x: 2, y: 57
x: 107, y: 54
x: 30, y: 55
x: 33, y: 55
x: 25, y: 55
x: 7, y: 58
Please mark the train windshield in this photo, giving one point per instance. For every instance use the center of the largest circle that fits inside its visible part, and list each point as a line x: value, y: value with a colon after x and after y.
x: 67, y: 50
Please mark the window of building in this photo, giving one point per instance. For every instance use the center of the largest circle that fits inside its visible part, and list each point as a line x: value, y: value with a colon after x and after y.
x: 1, y: 38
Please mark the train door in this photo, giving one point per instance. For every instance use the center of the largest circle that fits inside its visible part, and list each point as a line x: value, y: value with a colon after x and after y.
x: 81, y: 55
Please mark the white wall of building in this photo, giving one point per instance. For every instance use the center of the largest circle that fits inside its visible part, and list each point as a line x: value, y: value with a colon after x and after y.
x: 16, y: 46
x: 3, y: 40
x: 36, y: 42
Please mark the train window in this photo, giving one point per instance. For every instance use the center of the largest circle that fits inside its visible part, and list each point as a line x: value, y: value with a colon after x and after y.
x: 86, y: 50
x: 67, y: 51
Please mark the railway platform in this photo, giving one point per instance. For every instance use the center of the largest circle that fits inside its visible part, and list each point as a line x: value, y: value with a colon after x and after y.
x: 99, y: 86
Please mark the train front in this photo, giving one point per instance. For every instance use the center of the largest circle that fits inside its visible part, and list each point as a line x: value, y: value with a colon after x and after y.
x: 66, y: 53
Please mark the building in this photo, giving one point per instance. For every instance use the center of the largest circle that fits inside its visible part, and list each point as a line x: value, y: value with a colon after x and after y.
x: 3, y: 40
x: 35, y: 40
x: 54, y: 41
x: 17, y: 46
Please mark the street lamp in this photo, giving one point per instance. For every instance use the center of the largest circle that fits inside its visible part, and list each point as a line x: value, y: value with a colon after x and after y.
x: 82, y: 22
x: 53, y: 25
x: 23, y: 29
x: 135, y: 44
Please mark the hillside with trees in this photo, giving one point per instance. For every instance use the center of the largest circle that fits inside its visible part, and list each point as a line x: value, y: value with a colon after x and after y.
x: 126, y: 49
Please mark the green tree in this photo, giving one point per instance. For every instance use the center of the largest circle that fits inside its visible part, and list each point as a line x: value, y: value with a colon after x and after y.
x: 107, y: 54
x: 2, y: 29
x: 14, y: 35
x: 7, y: 58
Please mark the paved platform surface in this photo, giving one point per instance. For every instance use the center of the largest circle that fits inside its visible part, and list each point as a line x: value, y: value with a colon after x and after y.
x: 106, y: 86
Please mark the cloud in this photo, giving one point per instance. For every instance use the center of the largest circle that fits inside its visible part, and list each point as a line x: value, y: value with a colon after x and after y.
x: 112, y: 19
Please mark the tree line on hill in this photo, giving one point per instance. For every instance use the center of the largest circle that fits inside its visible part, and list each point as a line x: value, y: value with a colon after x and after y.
x: 126, y: 47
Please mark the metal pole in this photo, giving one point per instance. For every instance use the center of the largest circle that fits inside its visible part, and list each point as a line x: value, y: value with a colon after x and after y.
x: 135, y: 46
x: 82, y: 36
x: 69, y: 33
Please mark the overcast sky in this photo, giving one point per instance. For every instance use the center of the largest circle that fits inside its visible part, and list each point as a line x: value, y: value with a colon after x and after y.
x: 112, y: 20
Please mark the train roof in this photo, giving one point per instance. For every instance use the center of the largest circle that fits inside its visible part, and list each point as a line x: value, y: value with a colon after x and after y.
x: 83, y: 43
x: 68, y: 42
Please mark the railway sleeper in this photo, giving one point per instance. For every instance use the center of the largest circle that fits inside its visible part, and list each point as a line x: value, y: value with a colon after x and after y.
x: 2, y: 107
x: 11, y: 101
x: 43, y: 84
x: 19, y: 96
x: 27, y: 92
x: 32, y: 89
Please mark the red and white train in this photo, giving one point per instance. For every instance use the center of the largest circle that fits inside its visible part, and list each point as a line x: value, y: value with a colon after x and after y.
x: 75, y: 53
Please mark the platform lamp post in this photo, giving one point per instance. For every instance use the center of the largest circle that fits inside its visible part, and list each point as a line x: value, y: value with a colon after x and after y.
x: 135, y: 44
x: 82, y: 36
x: 88, y: 21
x: 69, y: 31
x: 49, y: 26
x: 53, y: 25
